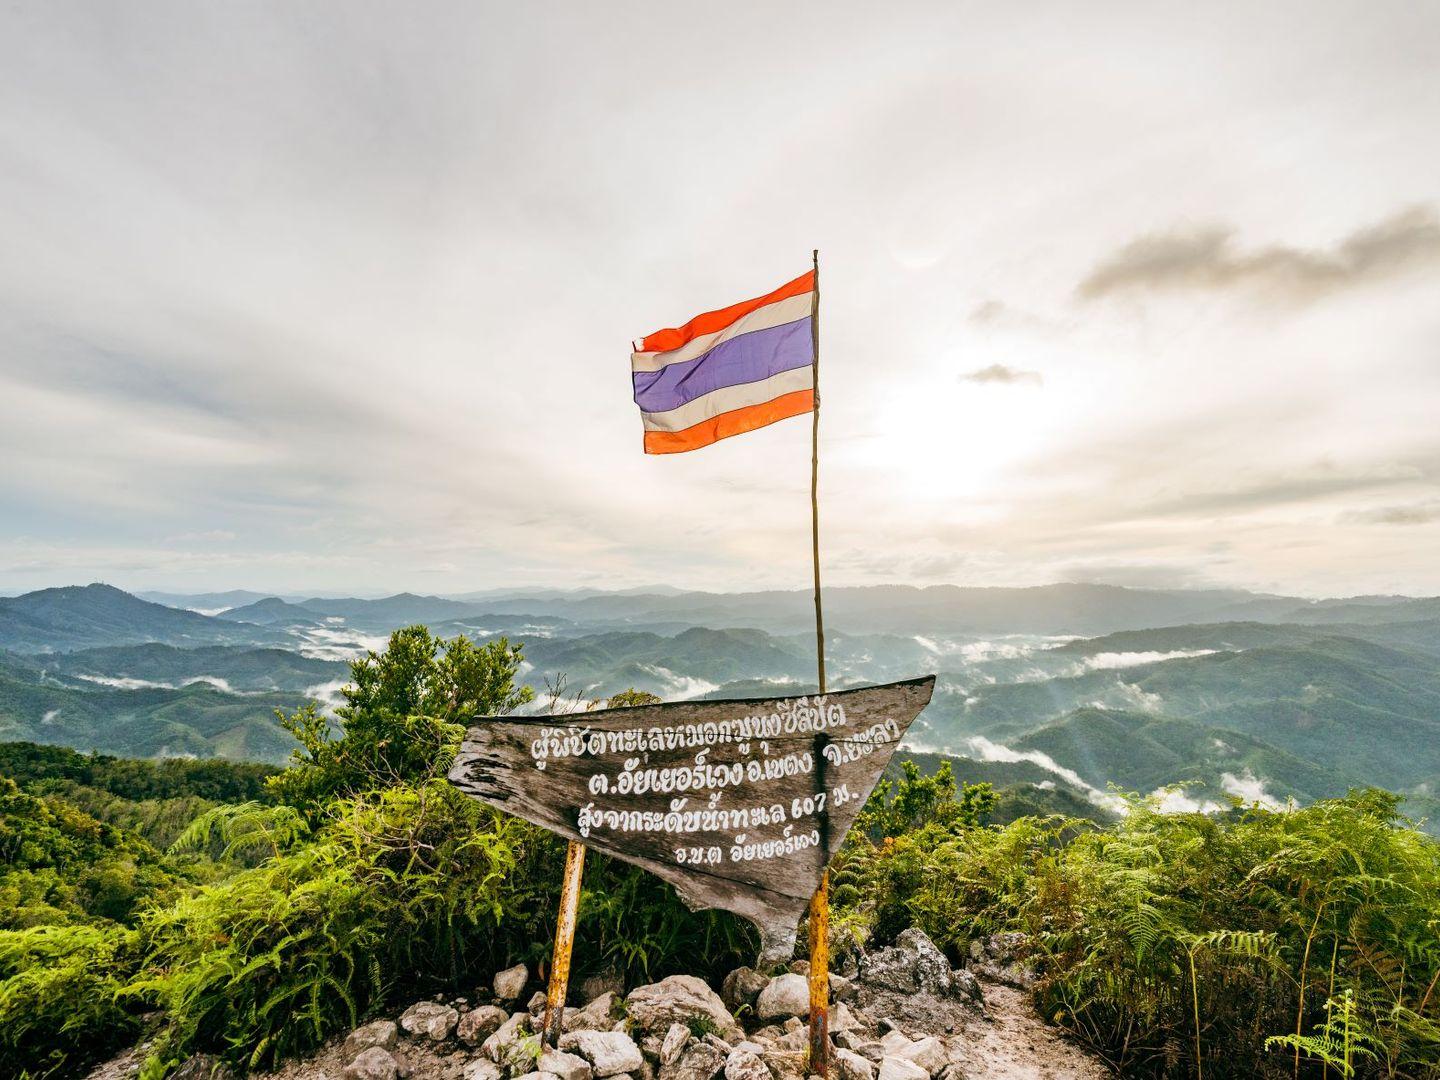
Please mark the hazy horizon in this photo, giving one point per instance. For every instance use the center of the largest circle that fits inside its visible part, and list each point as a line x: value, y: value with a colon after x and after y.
x: 316, y: 297
x: 660, y: 588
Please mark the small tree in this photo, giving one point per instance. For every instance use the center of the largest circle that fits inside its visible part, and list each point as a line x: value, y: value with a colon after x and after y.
x: 403, y: 717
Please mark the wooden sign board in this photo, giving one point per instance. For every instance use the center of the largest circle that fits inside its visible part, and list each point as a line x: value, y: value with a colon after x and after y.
x: 738, y: 804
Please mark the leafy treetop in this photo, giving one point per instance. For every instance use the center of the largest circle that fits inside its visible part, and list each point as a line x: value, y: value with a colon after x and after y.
x: 403, y: 717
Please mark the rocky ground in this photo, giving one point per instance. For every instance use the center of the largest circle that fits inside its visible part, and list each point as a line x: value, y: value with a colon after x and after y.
x: 899, y: 1013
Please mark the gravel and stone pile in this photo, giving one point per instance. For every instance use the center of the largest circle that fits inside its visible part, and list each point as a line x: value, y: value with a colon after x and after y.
x: 900, y: 1013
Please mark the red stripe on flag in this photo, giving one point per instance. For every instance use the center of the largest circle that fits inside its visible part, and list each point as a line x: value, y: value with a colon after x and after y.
x: 711, y: 321
x: 735, y: 422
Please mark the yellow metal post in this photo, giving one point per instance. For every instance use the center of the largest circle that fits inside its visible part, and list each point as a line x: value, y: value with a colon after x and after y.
x: 564, y: 943
x: 820, y: 977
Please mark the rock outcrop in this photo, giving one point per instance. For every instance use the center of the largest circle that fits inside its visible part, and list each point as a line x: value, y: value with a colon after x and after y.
x: 905, y: 1015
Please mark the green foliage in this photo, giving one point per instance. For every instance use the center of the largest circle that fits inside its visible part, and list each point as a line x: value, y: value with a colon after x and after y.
x: 157, y: 821
x: 239, y: 830
x: 400, y: 887
x: 58, y: 864
x: 402, y: 717
x: 214, y: 780
x: 917, y: 801
x: 885, y: 861
x: 700, y: 1026
x: 1194, y: 945
x: 59, y: 997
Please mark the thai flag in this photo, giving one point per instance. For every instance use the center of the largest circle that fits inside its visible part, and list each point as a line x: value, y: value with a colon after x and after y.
x: 728, y: 371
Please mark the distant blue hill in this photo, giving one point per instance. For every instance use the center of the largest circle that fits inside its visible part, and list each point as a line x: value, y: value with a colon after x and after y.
x: 82, y: 617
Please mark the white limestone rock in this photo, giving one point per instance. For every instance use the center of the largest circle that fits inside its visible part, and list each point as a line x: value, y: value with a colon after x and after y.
x: 678, y: 999
x: 784, y: 996
x: 510, y: 983
x: 609, y: 1052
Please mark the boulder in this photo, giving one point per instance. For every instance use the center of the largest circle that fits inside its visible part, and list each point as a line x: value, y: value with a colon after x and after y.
x: 381, y: 1033
x: 599, y: 1015
x: 482, y: 1069
x: 699, y: 1061
x: 480, y: 1023
x: 373, y: 1063
x: 871, y: 1051
x: 1001, y: 958
x: 912, y: 965
x: 842, y: 1018
x: 673, y: 1044
x: 510, y: 983
x: 894, y: 1068
x: 894, y: 1042
x: 535, y: 1076
x: 796, y: 1041
x: 565, y: 1066
x: 787, y: 1064
x: 537, y: 1003
x: 851, y: 1066
x: 952, y: 1071
x: 1004, y: 948
x: 741, y: 987
x: 718, y: 1043
x: 784, y: 996
x: 929, y: 1053
x: 429, y: 1019
x: 743, y: 1065
x: 607, y: 982
x: 680, y: 999
x: 609, y: 1052
x: 498, y: 1044
x: 966, y: 986
x: 841, y: 988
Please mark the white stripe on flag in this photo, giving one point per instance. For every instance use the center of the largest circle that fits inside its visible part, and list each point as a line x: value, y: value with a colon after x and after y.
x: 729, y: 398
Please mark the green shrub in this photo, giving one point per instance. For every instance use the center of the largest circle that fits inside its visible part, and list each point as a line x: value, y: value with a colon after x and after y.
x: 403, y: 716
x: 1184, y: 945
x: 59, y: 1005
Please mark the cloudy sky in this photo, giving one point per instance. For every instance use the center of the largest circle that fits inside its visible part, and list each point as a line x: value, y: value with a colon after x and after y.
x: 338, y: 296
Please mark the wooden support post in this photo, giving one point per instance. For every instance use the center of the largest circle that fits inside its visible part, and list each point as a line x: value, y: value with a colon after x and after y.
x: 564, y: 944
x: 820, y: 902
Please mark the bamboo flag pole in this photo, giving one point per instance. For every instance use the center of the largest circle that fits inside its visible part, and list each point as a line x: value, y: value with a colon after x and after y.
x: 820, y: 902
x: 564, y: 944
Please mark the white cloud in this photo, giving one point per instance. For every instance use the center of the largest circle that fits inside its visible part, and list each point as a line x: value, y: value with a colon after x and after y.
x: 1176, y: 800
x: 679, y: 687
x: 328, y: 695
x: 1109, y: 661
x: 336, y: 642
x: 1250, y: 788
x: 330, y: 298
x: 986, y: 750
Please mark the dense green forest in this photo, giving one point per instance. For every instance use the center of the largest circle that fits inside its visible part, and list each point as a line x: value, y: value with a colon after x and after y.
x: 254, y: 912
